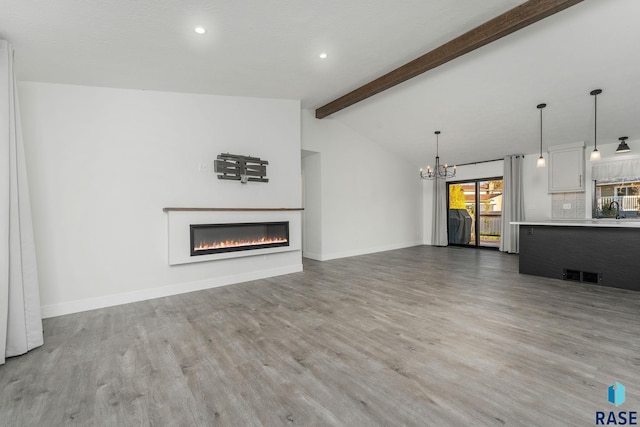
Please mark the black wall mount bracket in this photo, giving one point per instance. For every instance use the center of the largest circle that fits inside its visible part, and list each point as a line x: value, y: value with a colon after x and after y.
x: 236, y: 167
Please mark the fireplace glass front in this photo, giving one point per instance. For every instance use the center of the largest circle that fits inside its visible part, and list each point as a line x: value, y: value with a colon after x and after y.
x: 219, y: 238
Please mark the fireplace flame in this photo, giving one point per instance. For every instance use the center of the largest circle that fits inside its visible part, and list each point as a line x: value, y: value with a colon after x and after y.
x: 203, y: 246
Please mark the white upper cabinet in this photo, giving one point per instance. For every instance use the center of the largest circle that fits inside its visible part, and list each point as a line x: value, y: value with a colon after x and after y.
x: 566, y: 168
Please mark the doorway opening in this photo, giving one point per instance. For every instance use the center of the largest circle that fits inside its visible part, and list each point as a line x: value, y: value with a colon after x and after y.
x: 474, y: 210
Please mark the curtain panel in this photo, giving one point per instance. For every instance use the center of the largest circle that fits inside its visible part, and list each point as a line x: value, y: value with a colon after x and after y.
x: 20, y: 319
x: 512, y: 203
x: 439, y: 235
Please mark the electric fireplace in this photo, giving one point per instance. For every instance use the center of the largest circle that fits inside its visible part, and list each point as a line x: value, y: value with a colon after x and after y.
x: 271, y: 236
x: 219, y: 238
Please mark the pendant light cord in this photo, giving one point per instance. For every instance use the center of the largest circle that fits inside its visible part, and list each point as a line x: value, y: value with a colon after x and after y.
x: 595, y: 94
x: 541, y: 162
x: 540, y: 107
x: 595, y: 124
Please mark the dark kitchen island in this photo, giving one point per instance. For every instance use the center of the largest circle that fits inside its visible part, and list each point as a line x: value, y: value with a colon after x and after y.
x: 600, y: 251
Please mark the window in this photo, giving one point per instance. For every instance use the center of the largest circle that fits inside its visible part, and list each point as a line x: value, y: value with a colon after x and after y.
x: 616, y: 188
x: 616, y: 198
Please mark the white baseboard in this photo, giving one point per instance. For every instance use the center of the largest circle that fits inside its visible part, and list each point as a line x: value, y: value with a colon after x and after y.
x: 356, y: 252
x: 77, y: 306
x: 311, y: 255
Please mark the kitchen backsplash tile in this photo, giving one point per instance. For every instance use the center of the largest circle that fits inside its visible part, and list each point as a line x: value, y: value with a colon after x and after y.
x: 568, y: 205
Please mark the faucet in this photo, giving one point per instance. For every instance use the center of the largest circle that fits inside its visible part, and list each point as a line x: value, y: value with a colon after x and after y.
x: 617, y: 209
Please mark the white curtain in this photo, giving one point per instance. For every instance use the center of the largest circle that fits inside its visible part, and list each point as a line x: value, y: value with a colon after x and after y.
x: 439, y: 235
x: 616, y: 170
x: 20, y: 319
x: 512, y: 203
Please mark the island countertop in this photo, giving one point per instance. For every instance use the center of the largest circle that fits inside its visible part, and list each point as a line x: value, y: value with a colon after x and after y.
x: 602, y: 222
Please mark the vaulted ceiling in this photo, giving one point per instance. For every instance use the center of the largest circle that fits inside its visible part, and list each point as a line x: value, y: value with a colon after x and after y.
x: 483, y: 102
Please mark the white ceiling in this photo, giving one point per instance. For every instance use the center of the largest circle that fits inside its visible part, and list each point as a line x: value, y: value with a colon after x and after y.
x: 484, y: 102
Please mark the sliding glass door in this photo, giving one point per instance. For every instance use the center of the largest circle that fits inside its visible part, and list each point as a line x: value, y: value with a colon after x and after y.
x: 475, y: 212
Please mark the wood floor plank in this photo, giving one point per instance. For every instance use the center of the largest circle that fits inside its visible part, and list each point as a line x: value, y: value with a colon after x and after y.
x: 417, y: 336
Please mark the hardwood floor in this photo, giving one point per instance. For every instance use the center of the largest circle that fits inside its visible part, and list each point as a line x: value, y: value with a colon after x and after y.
x: 418, y: 336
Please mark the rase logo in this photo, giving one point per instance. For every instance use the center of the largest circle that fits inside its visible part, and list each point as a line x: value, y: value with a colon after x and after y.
x: 616, y: 396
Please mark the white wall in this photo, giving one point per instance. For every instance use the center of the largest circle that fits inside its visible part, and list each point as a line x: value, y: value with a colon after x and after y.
x: 535, y: 182
x: 102, y: 163
x: 371, y: 198
x: 312, y: 215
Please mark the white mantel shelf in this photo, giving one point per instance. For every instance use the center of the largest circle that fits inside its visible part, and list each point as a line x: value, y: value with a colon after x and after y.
x: 229, y: 209
x: 604, y: 222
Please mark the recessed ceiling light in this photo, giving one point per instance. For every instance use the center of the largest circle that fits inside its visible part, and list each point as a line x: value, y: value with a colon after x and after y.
x: 323, y: 55
x: 200, y: 30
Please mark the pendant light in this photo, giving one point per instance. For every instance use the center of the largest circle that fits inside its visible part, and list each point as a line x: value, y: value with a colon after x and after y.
x: 595, y: 154
x: 623, y: 147
x: 541, y: 162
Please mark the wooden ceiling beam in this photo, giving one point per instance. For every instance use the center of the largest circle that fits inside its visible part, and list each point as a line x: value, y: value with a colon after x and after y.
x: 498, y: 27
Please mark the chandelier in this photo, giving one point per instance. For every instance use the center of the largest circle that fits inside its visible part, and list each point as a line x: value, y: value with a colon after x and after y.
x: 439, y: 171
